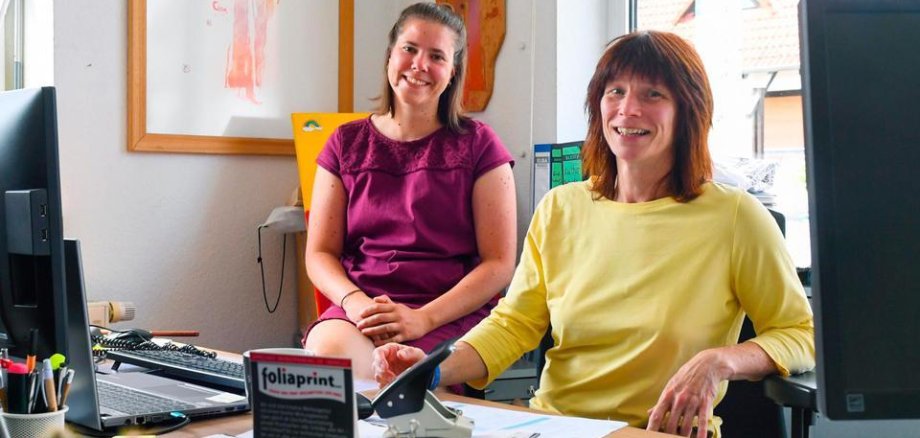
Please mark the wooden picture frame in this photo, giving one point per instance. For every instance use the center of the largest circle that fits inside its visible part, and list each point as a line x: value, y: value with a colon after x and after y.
x: 139, y: 140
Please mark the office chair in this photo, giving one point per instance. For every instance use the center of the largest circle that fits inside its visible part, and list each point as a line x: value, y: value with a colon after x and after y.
x: 320, y: 301
x: 311, y: 131
x: 745, y: 410
x: 545, y: 344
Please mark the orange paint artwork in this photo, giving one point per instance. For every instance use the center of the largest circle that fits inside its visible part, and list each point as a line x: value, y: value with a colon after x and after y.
x: 485, y: 28
x: 246, y: 54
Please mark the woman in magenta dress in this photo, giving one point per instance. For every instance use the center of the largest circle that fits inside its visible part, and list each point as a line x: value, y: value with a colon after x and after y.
x: 412, y: 226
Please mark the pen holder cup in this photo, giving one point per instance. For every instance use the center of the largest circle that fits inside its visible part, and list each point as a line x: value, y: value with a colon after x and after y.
x: 246, y: 366
x: 35, y: 425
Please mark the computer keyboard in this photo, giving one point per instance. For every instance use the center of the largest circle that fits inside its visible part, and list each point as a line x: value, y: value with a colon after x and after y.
x: 133, y: 402
x: 193, y: 367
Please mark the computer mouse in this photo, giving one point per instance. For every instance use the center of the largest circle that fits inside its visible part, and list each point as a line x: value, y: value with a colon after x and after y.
x: 365, y: 409
x: 133, y: 335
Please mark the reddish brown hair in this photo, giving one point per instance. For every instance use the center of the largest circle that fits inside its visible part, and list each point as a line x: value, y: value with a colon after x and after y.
x: 666, y: 58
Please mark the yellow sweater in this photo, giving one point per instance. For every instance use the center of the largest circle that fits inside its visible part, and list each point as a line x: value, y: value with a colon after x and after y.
x: 633, y: 291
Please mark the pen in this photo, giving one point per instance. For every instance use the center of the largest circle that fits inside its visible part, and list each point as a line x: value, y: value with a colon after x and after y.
x: 33, y: 345
x: 3, y: 391
x: 173, y: 333
x: 65, y: 388
x: 17, y: 388
x: 60, y: 375
x: 48, y: 386
x: 5, y: 357
x: 4, y: 432
x: 57, y: 361
x: 5, y: 360
x: 33, y: 391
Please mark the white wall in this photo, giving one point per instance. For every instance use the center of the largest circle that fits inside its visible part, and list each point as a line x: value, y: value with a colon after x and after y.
x: 510, y: 110
x: 570, y: 41
x: 176, y: 234
x: 373, y: 20
x: 581, y: 36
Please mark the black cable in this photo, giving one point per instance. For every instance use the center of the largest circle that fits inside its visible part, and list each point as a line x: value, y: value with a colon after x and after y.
x: 105, y: 343
x: 162, y: 431
x: 272, y: 309
x: 184, y: 420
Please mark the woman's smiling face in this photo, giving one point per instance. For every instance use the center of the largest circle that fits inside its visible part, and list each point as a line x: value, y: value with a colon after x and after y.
x: 421, y: 63
x: 639, y: 120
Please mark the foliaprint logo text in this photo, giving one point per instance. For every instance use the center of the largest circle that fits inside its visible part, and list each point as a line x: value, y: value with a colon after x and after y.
x: 291, y: 382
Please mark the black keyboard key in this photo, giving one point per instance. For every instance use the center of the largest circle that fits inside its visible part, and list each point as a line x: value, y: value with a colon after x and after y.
x: 197, y: 368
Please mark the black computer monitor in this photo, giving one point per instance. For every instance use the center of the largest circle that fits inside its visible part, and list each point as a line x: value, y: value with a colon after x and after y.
x: 861, y: 88
x: 31, y: 244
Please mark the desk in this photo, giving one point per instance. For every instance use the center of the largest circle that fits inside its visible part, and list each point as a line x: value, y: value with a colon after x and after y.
x: 237, y: 424
x: 798, y: 392
x: 240, y: 423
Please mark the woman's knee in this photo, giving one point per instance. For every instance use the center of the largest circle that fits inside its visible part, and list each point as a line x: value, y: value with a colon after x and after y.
x: 335, y: 338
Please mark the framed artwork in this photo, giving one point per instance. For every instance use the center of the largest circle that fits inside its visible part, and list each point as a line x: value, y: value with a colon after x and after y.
x: 224, y: 76
x: 485, y: 29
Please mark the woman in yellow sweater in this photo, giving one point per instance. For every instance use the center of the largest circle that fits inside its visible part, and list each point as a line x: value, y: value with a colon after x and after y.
x: 646, y: 270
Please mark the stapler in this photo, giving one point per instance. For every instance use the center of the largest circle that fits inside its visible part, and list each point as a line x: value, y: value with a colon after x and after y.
x: 412, y: 411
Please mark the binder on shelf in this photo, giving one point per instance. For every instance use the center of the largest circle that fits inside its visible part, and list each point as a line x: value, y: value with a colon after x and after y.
x: 554, y: 165
x: 540, y: 183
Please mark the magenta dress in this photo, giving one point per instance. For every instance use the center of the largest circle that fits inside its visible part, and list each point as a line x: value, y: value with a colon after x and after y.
x: 409, y: 215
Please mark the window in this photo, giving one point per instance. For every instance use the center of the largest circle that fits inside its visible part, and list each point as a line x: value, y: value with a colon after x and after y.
x: 690, y: 10
x: 751, y: 52
x: 26, y: 35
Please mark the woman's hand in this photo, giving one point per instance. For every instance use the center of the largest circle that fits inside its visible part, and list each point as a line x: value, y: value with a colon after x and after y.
x: 385, y: 321
x: 390, y: 360
x: 689, y: 393
x: 354, y: 308
x: 355, y: 305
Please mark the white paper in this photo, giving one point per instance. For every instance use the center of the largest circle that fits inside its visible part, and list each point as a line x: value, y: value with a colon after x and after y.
x: 505, y: 423
x: 361, y: 385
x: 489, y: 419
